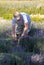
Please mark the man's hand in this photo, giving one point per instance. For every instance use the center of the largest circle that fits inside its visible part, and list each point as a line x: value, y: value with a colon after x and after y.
x: 23, y: 35
x: 14, y: 36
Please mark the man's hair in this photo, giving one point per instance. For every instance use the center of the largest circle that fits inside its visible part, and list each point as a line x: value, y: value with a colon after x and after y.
x: 16, y: 14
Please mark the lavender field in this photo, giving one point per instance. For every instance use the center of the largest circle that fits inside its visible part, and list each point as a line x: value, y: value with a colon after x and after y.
x: 29, y: 51
x: 12, y: 54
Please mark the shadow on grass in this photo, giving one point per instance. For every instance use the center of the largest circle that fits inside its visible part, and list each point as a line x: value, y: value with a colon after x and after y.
x: 13, y: 54
x: 33, y: 43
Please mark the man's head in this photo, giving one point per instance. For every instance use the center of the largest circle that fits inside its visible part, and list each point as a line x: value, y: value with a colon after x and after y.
x: 17, y: 15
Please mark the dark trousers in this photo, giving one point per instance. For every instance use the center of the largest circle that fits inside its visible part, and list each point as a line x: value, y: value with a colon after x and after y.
x: 18, y: 36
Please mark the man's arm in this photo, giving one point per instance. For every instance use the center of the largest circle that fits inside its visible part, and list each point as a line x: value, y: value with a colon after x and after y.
x: 13, y: 28
x: 13, y: 25
x: 13, y: 33
x: 25, y: 29
x: 25, y: 25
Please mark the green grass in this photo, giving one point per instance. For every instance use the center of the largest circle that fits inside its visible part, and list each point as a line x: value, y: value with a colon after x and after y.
x: 7, y: 8
x: 37, y: 19
x: 8, y: 13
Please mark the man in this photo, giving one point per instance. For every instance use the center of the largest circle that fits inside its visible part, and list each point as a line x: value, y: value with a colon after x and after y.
x: 21, y: 25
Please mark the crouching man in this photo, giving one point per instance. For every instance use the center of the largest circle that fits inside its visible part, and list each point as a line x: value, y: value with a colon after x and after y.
x: 21, y: 25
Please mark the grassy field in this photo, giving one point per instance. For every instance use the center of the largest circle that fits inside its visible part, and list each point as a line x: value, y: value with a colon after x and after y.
x: 10, y: 52
x: 35, y: 9
x: 7, y: 8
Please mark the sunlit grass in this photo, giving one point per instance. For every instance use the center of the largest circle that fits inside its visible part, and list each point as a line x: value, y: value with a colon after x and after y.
x: 37, y: 19
x: 7, y: 8
x: 8, y: 13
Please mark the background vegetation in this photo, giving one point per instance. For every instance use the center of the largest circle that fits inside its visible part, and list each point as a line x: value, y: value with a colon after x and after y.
x: 7, y: 8
x: 10, y: 52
